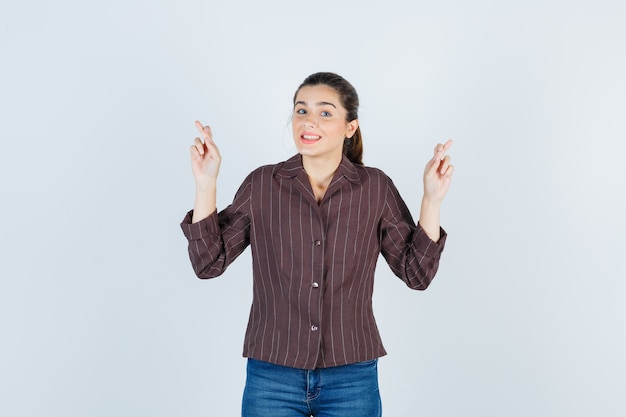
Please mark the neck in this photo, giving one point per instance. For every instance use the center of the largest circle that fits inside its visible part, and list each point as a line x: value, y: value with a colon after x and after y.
x: 321, y: 169
x: 320, y: 172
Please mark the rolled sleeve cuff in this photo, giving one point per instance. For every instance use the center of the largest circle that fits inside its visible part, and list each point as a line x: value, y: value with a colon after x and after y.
x: 427, y: 246
x: 206, y: 227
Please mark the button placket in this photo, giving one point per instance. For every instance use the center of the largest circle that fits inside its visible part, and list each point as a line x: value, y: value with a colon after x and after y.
x: 315, y: 284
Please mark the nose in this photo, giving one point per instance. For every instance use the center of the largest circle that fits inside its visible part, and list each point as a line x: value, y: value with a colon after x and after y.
x: 309, y: 121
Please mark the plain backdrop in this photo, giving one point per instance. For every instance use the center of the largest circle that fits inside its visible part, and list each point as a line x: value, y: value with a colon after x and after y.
x: 100, y: 312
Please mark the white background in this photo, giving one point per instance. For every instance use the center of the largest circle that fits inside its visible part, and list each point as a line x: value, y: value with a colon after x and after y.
x: 100, y: 313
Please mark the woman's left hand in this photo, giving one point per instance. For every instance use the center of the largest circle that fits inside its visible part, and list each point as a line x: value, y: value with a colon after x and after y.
x: 438, y: 174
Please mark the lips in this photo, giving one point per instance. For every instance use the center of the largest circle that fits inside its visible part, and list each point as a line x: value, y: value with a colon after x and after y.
x: 309, y: 138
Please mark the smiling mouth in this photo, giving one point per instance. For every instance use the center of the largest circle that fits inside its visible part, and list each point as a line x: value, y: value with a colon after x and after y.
x: 311, y: 137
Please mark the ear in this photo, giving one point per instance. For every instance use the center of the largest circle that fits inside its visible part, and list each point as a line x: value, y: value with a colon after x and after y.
x: 351, y: 128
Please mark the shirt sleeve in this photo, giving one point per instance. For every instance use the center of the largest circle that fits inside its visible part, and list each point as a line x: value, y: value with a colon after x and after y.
x: 410, y: 253
x: 216, y: 241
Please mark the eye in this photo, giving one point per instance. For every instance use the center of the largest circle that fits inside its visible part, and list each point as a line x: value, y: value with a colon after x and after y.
x: 326, y: 114
x: 300, y: 111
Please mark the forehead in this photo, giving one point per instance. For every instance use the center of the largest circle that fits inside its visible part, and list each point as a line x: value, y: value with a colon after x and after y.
x: 313, y: 94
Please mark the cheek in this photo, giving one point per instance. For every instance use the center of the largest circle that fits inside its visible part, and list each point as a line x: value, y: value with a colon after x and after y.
x: 295, y: 132
x: 294, y: 128
x: 342, y: 129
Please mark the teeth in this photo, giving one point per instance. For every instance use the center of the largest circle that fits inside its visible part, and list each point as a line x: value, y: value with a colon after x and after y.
x: 307, y: 137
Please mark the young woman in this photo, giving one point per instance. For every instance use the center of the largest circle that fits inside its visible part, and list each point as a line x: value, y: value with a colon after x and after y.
x: 316, y: 224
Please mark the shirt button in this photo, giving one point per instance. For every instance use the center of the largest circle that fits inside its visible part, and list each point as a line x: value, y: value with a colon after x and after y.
x: 315, y: 285
x: 317, y: 242
x: 314, y: 328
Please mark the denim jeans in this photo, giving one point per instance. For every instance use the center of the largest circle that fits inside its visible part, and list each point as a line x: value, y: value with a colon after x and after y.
x: 341, y: 391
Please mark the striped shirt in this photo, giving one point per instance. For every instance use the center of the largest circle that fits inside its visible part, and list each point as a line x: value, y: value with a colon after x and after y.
x: 313, y: 264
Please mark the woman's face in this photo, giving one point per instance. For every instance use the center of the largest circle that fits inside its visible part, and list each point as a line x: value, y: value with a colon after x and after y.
x: 319, y: 122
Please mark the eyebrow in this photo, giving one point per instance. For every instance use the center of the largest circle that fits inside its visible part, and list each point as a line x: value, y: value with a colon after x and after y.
x: 320, y: 103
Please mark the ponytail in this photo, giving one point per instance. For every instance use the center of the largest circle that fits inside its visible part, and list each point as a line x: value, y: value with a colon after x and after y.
x: 353, y: 147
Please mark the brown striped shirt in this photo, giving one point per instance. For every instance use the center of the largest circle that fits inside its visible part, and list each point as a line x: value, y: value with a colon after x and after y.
x: 313, y: 264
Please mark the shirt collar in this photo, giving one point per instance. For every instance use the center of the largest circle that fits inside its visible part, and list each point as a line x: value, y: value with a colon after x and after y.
x: 293, y: 166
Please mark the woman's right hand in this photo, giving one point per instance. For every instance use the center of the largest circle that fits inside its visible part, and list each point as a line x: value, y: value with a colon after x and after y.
x: 205, y: 158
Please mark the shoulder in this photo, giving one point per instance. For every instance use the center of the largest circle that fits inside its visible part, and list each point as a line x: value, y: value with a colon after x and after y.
x: 372, y: 175
x: 377, y: 183
x: 267, y: 172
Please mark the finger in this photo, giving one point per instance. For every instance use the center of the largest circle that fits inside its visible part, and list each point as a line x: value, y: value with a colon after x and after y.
x: 212, y: 149
x: 432, y: 165
x: 197, y: 143
x: 208, y: 134
x: 440, y: 150
x: 445, y: 163
x: 449, y: 171
x: 193, y: 150
x: 199, y: 126
x: 205, y: 131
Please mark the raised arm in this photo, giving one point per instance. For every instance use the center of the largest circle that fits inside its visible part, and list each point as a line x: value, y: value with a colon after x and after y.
x: 205, y: 165
x: 437, y: 177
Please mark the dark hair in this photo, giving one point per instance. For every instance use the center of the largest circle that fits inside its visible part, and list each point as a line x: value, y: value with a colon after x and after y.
x: 352, y: 147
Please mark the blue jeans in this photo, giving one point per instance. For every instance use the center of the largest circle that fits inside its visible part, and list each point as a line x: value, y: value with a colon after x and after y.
x: 341, y: 391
